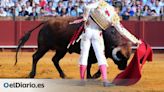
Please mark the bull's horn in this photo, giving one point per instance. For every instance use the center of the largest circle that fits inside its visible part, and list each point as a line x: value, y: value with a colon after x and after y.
x: 114, y: 53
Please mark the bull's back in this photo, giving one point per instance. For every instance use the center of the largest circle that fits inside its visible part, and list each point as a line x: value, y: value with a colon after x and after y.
x: 57, y: 32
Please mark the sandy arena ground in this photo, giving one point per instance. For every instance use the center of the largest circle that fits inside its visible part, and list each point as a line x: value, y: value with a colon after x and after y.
x: 152, y: 75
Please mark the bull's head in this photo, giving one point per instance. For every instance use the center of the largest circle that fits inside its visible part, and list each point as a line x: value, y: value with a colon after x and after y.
x: 117, y: 48
x: 121, y: 54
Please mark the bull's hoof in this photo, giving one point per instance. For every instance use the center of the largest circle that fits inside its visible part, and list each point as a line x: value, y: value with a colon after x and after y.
x: 96, y: 76
x: 63, y: 76
x: 89, y: 77
x: 31, y: 75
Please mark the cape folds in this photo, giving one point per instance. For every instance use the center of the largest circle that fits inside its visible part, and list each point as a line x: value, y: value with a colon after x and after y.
x: 132, y: 73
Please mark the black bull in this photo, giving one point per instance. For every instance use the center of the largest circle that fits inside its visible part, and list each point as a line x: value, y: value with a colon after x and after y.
x: 56, y: 34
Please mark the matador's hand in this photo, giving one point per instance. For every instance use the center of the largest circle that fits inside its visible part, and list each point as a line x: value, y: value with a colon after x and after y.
x: 138, y: 43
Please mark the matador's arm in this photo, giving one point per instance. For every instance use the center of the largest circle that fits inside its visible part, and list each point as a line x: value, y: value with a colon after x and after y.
x: 115, y: 20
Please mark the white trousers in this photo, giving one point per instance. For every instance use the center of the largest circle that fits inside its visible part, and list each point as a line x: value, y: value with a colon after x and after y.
x: 92, y: 36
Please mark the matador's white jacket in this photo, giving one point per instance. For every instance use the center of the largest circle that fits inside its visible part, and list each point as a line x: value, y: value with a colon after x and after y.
x: 104, y: 15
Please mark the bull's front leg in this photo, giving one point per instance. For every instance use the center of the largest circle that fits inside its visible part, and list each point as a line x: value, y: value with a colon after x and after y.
x: 92, y: 60
x: 88, y: 71
x: 59, y: 55
x: 95, y: 76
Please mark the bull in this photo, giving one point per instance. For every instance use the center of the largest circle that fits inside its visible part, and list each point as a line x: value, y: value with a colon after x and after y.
x: 56, y: 34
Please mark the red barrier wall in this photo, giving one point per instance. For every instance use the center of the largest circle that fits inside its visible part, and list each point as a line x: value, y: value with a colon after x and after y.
x: 7, y: 33
x: 150, y: 31
x: 25, y: 26
x: 11, y: 31
x: 154, y: 33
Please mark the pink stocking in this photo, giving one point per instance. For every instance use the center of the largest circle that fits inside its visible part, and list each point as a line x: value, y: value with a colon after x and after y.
x: 103, y: 70
x: 82, y: 71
